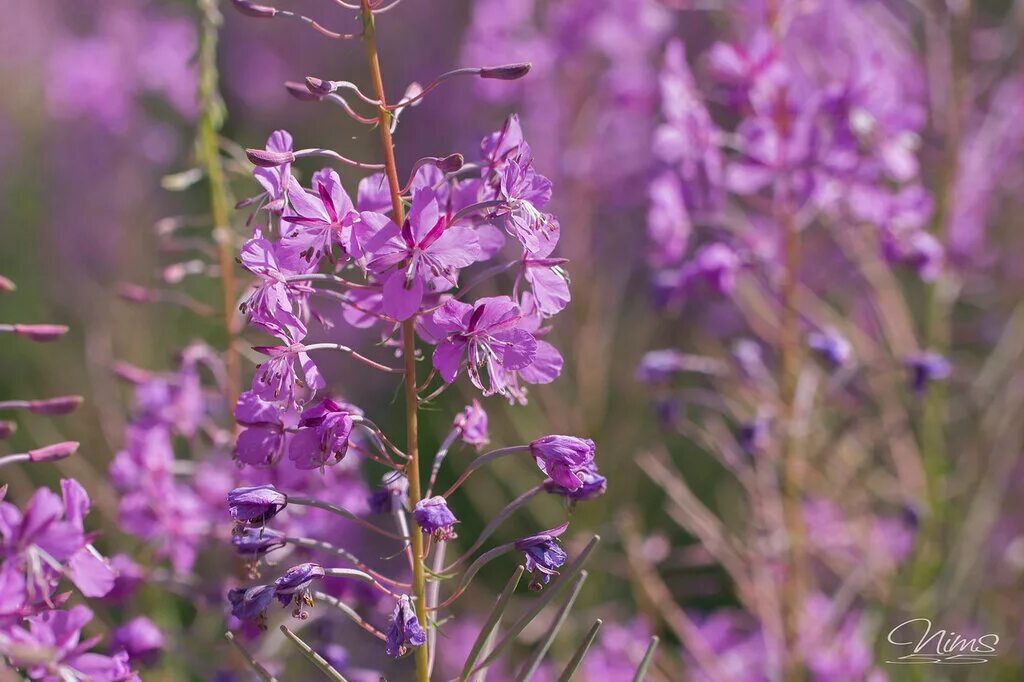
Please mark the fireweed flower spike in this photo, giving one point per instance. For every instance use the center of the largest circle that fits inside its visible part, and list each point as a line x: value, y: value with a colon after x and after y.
x: 405, y: 631
x: 543, y: 555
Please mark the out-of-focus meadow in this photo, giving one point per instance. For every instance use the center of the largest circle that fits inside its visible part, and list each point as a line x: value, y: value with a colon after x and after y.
x: 97, y: 130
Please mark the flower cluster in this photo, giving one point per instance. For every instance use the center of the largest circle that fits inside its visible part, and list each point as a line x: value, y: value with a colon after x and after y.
x: 41, y: 545
x: 404, y: 261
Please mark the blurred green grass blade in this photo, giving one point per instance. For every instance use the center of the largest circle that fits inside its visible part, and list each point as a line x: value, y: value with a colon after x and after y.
x: 553, y: 590
x: 641, y: 671
x: 530, y: 667
x: 314, y: 658
x: 577, y: 657
x: 492, y: 622
x: 260, y: 671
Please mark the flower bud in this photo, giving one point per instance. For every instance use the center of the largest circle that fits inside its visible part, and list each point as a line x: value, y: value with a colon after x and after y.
x: 7, y: 429
x: 507, y: 72
x: 6, y: 285
x: 251, y: 9
x: 318, y: 86
x: 451, y: 163
x: 40, y: 332
x: 52, y: 453
x: 472, y: 424
x: 56, y: 406
x: 255, y: 505
x: 302, y: 92
x: 134, y: 293
x: 268, y: 159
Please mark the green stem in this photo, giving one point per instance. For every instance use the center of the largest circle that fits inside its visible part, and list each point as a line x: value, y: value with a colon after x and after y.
x: 408, y: 344
x: 210, y: 120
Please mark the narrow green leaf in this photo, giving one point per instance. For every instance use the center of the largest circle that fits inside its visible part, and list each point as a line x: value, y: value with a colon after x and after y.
x: 492, y: 621
x: 577, y: 657
x: 316, y: 659
x: 260, y: 671
x: 641, y: 672
x: 552, y: 591
x: 530, y: 667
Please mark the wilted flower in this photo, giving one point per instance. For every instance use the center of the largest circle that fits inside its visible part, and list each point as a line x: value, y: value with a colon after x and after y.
x: 323, y: 436
x: 564, y: 459
x: 293, y: 586
x: 543, y: 555
x: 405, y: 629
x: 251, y: 603
x: 594, y: 485
x: 255, y: 505
x: 434, y: 517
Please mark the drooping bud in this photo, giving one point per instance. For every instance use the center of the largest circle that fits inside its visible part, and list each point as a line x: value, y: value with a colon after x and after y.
x: 40, y: 332
x: 6, y: 285
x: 53, y: 453
x: 302, y: 92
x: 451, y: 163
x: 318, y: 86
x: 264, y: 158
x: 53, y: 407
x: 506, y: 72
x: 251, y: 9
x: 405, y: 632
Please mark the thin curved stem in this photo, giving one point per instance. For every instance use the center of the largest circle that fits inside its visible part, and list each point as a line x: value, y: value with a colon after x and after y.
x: 492, y: 526
x: 320, y: 545
x: 473, y: 569
x: 341, y: 511
x: 14, y: 459
x: 484, y: 459
x: 355, y: 355
x: 439, y: 457
x: 350, y: 613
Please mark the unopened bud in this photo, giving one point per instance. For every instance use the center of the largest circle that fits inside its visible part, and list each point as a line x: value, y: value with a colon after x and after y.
x: 134, y: 293
x: 268, y: 159
x: 319, y: 86
x: 131, y: 373
x: 251, y: 9
x: 40, y: 332
x: 7, y: 429
x: 52, y: 453
x: 451, y: 163
x: 508, y: 72
x: 65, y: 404
x: 302, y: 92
x: 6, y: 285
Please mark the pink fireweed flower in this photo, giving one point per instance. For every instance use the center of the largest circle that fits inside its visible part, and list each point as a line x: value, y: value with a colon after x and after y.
x: 490, y: 333
x: 472, y: 425
x: 565, y: 459
x: 426, y: 252
x: 141, y: 639
x: 270, y: 306
x: 323, y: 436
x: 276, y: 380
x: 524, y: 193
x: 322, y: 219
x: 261, y: 441
x: 548, y: 280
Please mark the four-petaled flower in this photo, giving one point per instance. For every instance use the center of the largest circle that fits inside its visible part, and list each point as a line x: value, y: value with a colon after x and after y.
x: 435, y: 518
x: 565, y: 459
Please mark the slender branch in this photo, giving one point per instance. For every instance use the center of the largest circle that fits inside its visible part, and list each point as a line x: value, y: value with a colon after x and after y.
x: 493, y: 524
x: 253, y: 663
x: 341, y: 511
x: 484, y: 459
x: 316, y: 659
x: 350, y: 613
